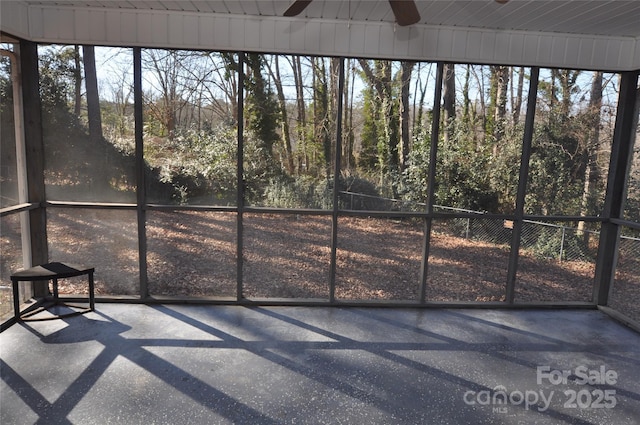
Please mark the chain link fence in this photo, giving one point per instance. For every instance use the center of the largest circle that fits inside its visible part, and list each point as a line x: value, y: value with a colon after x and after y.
x: 629, y: 257
x: 557, y: 241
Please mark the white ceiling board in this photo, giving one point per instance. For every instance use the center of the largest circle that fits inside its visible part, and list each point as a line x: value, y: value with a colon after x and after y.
x: 624, y: 20
x: 591, y: 17
x: 374, y: 12
x: 521, y: 12
x: 232, y: 7
x: 552, y: 14
x: 203, y: 6
x: 343, y: 9
x: 548, y: 32
x: 461, y: 13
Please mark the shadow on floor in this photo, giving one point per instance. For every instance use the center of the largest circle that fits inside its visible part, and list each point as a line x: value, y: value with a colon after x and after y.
x: 228, y: 364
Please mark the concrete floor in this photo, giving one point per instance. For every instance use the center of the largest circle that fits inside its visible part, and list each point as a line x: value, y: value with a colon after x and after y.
x: 138, y: 364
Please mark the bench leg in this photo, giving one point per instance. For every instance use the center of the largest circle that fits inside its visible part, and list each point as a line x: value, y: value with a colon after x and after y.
x: 16, y: 299
x: 55, y: 290
x: 92, y: 302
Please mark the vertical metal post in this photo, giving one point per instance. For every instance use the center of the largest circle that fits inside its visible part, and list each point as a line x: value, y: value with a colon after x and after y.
x: 21, y: 154
x: 34, y: 158
x: 336, y: 184
x: 141, y: 184
x: 240, y: 181
x: 617, y: 180
x: 431, y: 187
x: 522, y: 185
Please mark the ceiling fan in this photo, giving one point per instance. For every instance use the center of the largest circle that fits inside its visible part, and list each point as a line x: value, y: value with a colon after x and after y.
x: 405, y: 11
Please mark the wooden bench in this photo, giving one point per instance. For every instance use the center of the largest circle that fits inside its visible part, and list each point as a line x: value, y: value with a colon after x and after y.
x: 53, y: 272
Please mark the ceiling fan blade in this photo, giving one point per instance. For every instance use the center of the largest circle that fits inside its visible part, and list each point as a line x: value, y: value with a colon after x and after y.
x: 297, y: 7
x: 405, y: 11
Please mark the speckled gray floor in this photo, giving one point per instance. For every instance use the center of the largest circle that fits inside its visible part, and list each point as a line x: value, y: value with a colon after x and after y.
x: 137, y: 364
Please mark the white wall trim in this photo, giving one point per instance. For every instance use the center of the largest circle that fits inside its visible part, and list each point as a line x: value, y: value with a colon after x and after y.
x: 14, y: 18
x: 188, y: 30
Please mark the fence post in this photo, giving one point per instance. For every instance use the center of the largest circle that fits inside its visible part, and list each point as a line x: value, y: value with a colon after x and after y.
x: 562, y: 244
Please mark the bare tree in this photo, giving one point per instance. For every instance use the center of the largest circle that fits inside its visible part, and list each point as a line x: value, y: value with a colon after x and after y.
x: 121, y: 94
x: 418, y: 105
x: 274, y: 72
x: 301, y: 119
x: 168, y: 93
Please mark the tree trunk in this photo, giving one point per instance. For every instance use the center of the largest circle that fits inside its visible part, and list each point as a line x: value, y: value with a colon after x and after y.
x: 321, y: 111
x: 388, y: 132
x: 332, y: 113
x: 499, y: 89
x: 407, y: 68
x: 296, y: 65
x: 77, y: 76
x: 565, y: 85
x: 418, y: 109
x: 517, y: 104
x: 372, y: 78
x: 484, y: 114
x: 553, y: 94
x: 348, y: 159
x: 262, y: 117
x: 466, y: 102
x: 391, y: 122
x: 228, y: 74
x: 449, y: 99
x: 286, y: 135
x: 592, y: 173
x: 93, y: 98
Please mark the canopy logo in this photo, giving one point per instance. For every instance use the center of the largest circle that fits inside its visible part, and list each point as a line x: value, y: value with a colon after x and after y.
x: 499, y: 399
x: 584, y: 397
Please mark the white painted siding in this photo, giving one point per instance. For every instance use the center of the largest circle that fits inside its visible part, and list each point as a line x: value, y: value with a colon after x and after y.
x: 14, y: 19
x: 173, y: 29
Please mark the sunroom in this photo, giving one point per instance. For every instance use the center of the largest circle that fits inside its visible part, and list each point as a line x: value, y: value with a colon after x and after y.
x: 426, y: 176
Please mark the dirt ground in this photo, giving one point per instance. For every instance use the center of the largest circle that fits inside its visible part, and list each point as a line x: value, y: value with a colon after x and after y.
x: 193, y: 254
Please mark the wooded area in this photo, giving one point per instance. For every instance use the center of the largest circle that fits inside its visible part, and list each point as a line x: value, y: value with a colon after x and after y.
x: 290, y: 103
x: 290, y: 122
